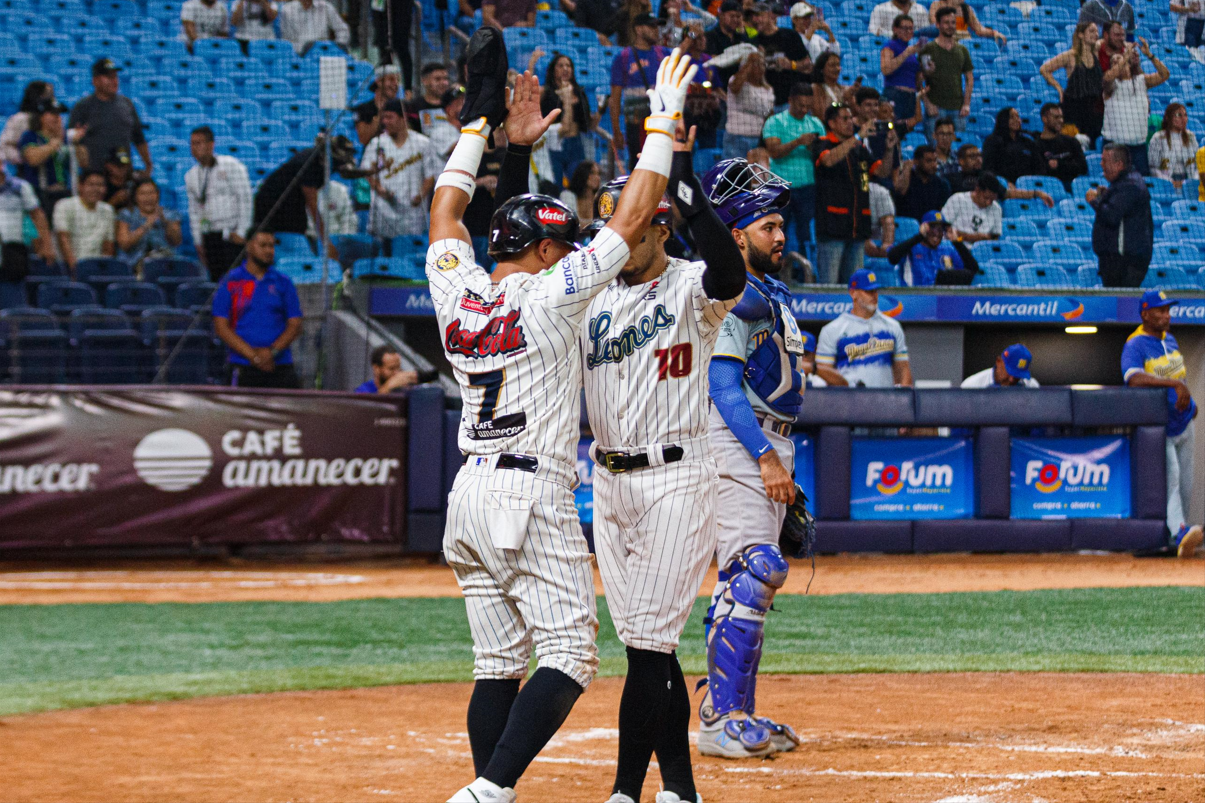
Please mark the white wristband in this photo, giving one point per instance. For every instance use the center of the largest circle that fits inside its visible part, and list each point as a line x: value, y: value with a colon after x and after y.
x: 658, y: 153
x: 466, y: 157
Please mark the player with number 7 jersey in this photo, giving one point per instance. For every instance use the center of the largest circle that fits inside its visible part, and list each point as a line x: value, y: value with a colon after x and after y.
x: 512, y: 536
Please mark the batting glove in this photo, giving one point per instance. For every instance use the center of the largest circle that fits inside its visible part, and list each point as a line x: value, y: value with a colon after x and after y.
x: 667, y: 98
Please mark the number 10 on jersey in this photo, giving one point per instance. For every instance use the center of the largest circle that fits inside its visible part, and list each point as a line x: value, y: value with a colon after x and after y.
x: 674, y: 361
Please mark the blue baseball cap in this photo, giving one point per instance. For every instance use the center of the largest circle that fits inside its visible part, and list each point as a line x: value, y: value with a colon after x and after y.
x: 809, y: 342
x: 1017, y: 360
x: 1152, y: 299
x: 934, y: 217
x: 864, y: 280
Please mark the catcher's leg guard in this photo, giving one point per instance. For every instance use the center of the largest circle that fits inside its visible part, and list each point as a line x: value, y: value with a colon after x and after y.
x: 735, y: 624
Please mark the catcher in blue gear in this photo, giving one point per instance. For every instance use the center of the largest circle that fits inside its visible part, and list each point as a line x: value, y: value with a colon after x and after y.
x: 756, y: 390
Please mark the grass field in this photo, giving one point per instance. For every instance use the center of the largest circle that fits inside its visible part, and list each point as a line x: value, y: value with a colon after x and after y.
x: 63, y: 656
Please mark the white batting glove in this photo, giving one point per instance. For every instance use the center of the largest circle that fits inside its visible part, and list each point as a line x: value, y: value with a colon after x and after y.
x: 669, y: 95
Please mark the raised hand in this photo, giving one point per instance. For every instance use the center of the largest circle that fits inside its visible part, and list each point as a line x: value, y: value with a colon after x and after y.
x: 524, y: 122
x: 684, y: 141
x: 668, y: 96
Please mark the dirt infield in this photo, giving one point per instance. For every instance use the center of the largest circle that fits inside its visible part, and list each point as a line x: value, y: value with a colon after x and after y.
x: 972, y: 738
x: 41, y: 584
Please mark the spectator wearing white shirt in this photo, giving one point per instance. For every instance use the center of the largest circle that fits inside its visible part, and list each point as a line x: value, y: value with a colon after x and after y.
x: 885, y: 13
x: 304, y: 22
x: 18, y: 199
x: 219, y: 203
x: 204, y: 19
x: 750, y: 103
x: 1190, y: 24
x: 1172, y: 151
x: 816, y: 34
x: 976, y: 215
x: 1012, y: 368
x: 338, y: 215
x: 252, y: 19
x: 405, y: 168
x: 882, y: 222
x: 84, y: 225
x: 444, y: 128
x: 1127, y: 105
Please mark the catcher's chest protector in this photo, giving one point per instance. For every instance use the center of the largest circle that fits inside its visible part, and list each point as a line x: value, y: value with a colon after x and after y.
x: 772, y: 370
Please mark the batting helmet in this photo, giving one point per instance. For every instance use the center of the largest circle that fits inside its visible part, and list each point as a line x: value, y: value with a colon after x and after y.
x: 527, y: 219
x: 742, y: 192
x: 607, y: 201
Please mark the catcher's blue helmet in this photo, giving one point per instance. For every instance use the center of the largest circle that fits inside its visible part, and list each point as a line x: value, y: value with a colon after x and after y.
x: 742, y: 192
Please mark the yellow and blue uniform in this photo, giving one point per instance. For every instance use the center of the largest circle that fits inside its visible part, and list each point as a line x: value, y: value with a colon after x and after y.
x: 1159, y: 356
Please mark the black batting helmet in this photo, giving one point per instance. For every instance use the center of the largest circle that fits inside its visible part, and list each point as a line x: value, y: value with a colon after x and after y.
x: 527, y: 219
x: 607, y: 200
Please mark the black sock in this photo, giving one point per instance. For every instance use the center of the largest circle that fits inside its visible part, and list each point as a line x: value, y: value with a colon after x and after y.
x: 539, y: 709
x: 489, y: 708
x: 642, y: 710
x: 673, y: 748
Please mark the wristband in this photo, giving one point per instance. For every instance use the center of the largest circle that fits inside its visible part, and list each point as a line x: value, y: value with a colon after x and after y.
x: 662, y: 123
x: 462, y: 165
x: 658, y: 153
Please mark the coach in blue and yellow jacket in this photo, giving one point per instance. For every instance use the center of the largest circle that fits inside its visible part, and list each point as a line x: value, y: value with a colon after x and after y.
x: 1151, y: 359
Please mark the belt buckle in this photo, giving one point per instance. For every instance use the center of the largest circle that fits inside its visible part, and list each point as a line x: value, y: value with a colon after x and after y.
x: 607, y: 458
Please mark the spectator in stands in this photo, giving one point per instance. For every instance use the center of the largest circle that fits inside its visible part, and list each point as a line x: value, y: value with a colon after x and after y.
x: 1062, y: 156
x: 1201, y: 173
x: 368, y: 114
x: 405, y: 168
x: 304, y: 22
x: 1008, y: 151
x: 967, y: 21
x: 976, y: 215
x: 1190, y: 25
x: 583, y: 186
x: 1172, y: 150
x: 750, y: 104
x: 387, y: 373
x: 1103, y: 12
x: 929, y: 257
x: 509, y: 13
x: 970, y: 164
x: 561, y: 91
x: 882, y: 222
x: 45, y: 155
x: 814, y: 32
x: 18, y: 200
x: 943, y: 146
x: 633, y: 73
x: 257, y: 314
x: 1112, y: 45
x: 435, y: 84
x: 918, y: 188
x: 204, y: 19
x: 786, y: 54
x: 84, y: 224
x: 444, y: 130
x: 108, y: 119
x: 338, y: 214
x: 1151, y: 358
x: 728, y: 31
x: 252, y: 20
x: 35, y: 94
x: 807, y: 366
x: 277, y: 211
x: 827, y: 89
x: 1012, y: 368
x: 1083, y: 99
x: 391, y: 23
x: 1123, y: 233
x: 900, y: 66
x: 843, y: 170
x: 1127, y: 105
x: 119, y: 179
x: 884, y: 15
x: 625, y: 21
x: 146, y: 230
x: 886, y: 121
x: 789, y: 136
x: 948, y: 72
x: 863, y: 347
x: 219, y: 203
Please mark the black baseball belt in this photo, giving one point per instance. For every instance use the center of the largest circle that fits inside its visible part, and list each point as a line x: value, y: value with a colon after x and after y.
x: 620, y: 462
x: 520, y: 462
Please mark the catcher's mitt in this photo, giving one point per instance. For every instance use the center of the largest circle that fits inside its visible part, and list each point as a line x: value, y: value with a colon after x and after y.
x: 798, y: 536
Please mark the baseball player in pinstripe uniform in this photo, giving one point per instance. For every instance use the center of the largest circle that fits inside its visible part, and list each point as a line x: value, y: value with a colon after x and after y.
x: 646, y: 342
x: 756, y: 390
x: 513, y: 537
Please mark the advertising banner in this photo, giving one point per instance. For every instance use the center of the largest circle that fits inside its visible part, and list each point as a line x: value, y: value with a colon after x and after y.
x: 899, y: 479
x: 155, y: 466
x: 805, y: 465
x: 1070, y: 478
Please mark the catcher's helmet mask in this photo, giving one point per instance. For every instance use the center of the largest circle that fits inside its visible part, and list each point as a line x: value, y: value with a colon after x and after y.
x: 528, y: 219
x: 743, y: 193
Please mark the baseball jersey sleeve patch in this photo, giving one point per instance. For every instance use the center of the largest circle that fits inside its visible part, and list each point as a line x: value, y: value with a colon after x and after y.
x: 447, y: 262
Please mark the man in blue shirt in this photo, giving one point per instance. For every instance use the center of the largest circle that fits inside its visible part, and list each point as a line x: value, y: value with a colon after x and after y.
x: 1151, y: 359
x: 930, y: 258
x: 387, y: 373
x: 633, y: 73
x: 257, y: 314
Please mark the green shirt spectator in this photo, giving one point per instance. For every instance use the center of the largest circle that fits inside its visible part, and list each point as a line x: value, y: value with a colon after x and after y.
x: 795, y: 167
x: 789, y: 136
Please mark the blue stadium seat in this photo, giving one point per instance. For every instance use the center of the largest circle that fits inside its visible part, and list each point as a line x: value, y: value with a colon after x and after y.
x: 352, y: 247
x: 175, y: 110
x: 996, y: 14
x: 1075, y: 209
x: 1171, y: 277
x: 294, y: 245
x: 153, y: 322
x: 1048, y: 184
x: 409, y: 245
x: 295, y: 111
x: 552, y: 20
x: 1188, y: 209
x: 279, y: 152
x: 191, y: 353
x: 62, y: 297
x: 1032, y: 210
x: 162, y: 48
x: 982, y: 49
x: 301, y: 269
x: 398, y: 267
x: 81, y: 320
x: 36, y: 357
x: 1088, y: 275
x: 1057, y: 252
x: 1177, y: 254
x: 1003, y: 253
x: 25, y: 26
x: 135, y: 28
x: 170, y: 149
x: 103, y: 271
x: 171, y: 273
x: 266, y: 130
x: 212, y: 51
x: 133, y: 297
x: 150, y: 87
x: 242, y: 71
x: 1022, y: 231
x: 906, y: 228
x: 1187, y: 231
x: 269, y: 51
x: 12, y: 294
x: 166, y: 11
x: 46, y: 44
x: 1164, y: 192
x: 1081, y: 185
x: 325, y: 48
x: 112, y: 357
x: 25, y: 319
x: 570, y: 37
x: 1028, y: 48
x: 237, y: 109
x: 1033, y: 275
x: 195, y: 295
x: 298, y: 74
x: 1006, y: 86
x: 1056, y: 16
x: 1094, y: 169
x: 991, y: 275
x: 1075, y: 230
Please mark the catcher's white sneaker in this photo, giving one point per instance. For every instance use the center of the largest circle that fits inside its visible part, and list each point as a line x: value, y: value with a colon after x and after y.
x: 483, y: 791
x: 735, y: 738
x: 782, y: 737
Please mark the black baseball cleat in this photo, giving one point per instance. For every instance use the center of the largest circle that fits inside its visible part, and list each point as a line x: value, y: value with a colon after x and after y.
x: 486, y: 65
